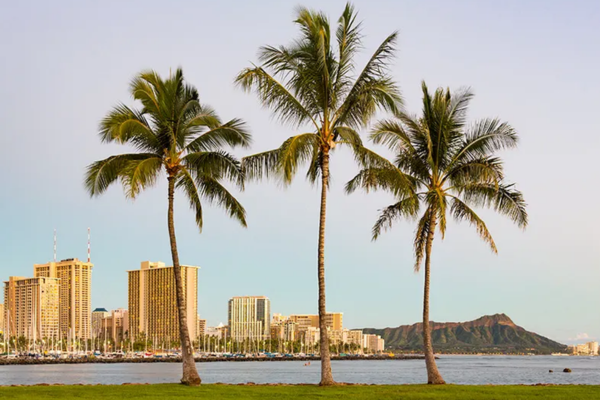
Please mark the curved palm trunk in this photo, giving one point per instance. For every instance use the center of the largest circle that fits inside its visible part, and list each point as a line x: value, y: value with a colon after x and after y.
x: 433, y: 375
x: 326, y: 376
x: 190, y: 373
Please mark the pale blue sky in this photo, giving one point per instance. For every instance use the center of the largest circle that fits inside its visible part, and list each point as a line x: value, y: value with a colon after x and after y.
x: 532, y: 63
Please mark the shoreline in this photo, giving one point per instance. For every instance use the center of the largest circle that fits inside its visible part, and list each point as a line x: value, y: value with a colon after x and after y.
x: 34, y: 361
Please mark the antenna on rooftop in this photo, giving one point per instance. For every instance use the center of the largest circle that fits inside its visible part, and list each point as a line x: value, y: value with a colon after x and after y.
x: 54, y: 245
x: 89, y: 251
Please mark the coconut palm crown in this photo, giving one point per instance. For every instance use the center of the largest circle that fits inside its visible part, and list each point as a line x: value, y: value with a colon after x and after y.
x: 442, y: 167
x: 311, y: 85
x: 172, y: 133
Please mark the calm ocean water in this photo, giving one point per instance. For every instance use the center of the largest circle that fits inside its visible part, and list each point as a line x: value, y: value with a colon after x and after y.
x: 478, y: 370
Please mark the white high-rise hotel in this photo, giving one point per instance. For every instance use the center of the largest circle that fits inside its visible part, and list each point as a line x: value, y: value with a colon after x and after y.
x: 249, y: 318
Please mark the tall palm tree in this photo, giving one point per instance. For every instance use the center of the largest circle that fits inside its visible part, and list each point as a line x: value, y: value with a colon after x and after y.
x: 441, y: 165
x: 311, y: 84
x: 172, y: 132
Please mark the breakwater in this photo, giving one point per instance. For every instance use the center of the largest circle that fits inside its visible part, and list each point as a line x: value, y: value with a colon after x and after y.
x: 94, y: 360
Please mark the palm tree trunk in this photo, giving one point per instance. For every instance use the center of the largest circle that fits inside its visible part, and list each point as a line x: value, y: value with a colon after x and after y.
x: 190, y: 373
x: 326, y: 376
x: 433, y: 375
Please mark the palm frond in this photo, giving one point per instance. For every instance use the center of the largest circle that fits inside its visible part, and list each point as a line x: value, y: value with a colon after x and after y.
x: 349, y: 41
x: 391, y: 134
x: 232, y: 133
x: 216, y: 164
x: 262, y: 165
x: 294, y: 152
x: 315, y: 166
x: 368, y: 158
x: 101, y: 174
x: 484, y: 138
x: 407, y: 207
x: 438, y: 202
x: 476, y: 170
x: 214, y: 192
x: 185, y: 181
x: 421, y: 234
x: 275, y: 96
x: 504, y: 199
x: 145, y: 87
x: 348, y: 136
x: 461, y: 212
x: 373, y: 88
x: 388, y: 179
x: 125, y: 125
x: 140, y: 174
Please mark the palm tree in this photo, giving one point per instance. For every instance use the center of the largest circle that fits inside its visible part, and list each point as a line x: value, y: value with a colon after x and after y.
x: 311, y: 83
x: 441, y: 165
x: 172, y: 132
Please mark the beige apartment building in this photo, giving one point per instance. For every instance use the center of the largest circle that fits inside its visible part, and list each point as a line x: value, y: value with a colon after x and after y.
x: 74, y: 303
x: 355, y: 337
x: 97, y: 325
x: 249, y: 317
x: 31, y: 307
x: 115, y: 326
x: 284, y: 330
x: 153, y: 303
x: 373, y: 343
x: 2, y: 318
x: 201, y: 327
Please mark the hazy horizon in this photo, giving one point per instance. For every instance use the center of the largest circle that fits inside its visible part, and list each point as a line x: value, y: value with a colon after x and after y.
x: 529, y: 63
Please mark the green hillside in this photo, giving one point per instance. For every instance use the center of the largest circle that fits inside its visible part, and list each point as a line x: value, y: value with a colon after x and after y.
x: 488, y: 334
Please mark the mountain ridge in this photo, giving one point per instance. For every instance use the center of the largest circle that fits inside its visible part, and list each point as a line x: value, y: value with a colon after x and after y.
x: 495, y: 333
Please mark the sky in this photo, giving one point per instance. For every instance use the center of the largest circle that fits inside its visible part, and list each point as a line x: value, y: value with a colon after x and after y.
x: 533, y: 64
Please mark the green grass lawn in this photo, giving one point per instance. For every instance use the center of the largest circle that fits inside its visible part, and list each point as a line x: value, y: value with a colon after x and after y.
x: 408, y: 392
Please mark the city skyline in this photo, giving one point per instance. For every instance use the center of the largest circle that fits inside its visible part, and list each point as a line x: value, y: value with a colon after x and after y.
x: 44, y: 269
x: 542, y: 267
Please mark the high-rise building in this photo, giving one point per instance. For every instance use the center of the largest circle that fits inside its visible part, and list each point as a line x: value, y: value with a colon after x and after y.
x: 31, y: 307
x: 201, y: 328
x: 115, y: 326
x: 153, y: 302
x: 97, y: 316
x: 10, y: 308
x: 74, y: 304
x: 249, y: 318
x: 2, y: 318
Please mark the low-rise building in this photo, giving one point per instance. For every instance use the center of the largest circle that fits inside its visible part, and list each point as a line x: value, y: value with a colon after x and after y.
x: 219, y: 331
x: 97, y: 326
x: 115, y: 326
x: 373, y: 343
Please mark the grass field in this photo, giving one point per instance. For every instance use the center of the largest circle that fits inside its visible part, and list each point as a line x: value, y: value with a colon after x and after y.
x: 408, y: 392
